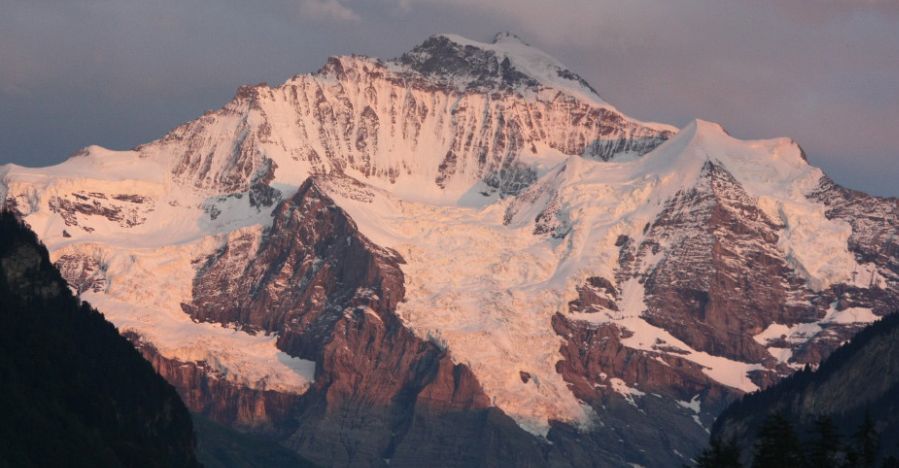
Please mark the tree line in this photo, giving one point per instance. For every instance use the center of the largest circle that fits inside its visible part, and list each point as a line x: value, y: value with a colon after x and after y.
x: 778, y: 445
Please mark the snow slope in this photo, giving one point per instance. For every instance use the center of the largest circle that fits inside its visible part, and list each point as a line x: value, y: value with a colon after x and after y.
x: 147, y: 268
x: 488, y: 288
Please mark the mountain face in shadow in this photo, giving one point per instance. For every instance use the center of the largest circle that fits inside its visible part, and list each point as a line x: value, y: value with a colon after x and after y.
x: 74, y: 392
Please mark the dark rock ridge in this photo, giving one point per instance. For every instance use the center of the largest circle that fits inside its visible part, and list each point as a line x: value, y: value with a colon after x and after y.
x: 722, y: 278
x: 443, y: 60
x: 719, y: 277
x: 858, y: 378
x: 75, y: 393
x: 124, y: 209
x: 309, y: 266
x: 649, y: 428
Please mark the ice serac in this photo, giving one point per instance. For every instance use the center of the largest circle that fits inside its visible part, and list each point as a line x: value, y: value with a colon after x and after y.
x: 463, y: 254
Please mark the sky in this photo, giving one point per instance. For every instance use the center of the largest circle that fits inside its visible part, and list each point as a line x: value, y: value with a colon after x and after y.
x: 118, y: 73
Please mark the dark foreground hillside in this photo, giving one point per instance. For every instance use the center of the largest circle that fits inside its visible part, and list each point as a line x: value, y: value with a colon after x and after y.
x: 219, y: 446
x: 73, y: 392
x: 845, y: 413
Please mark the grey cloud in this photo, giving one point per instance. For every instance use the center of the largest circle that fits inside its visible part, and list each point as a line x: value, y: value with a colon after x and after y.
x: 327, y: 10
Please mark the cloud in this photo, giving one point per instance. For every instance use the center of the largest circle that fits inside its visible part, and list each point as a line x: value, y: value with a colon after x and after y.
x: 327, y: 10
x: 829, y: 10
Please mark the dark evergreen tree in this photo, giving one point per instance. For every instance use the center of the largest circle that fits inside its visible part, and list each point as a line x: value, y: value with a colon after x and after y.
x: 891, y: 461
x: 777, y: 445
x: 866, y: 442
x: 720, y: 454
x: 825, y: 447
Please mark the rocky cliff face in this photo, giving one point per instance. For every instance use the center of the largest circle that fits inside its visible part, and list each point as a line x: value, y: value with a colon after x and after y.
x: 262, y: 411
x: 447, y: 113
x: 722, y: 279
x: 465, y: 255
x: 873, y: 238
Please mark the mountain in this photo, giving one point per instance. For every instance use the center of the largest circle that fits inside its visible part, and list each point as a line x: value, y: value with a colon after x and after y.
x: 463, y: 254
x: 75, y: 393
x: 857, y: 381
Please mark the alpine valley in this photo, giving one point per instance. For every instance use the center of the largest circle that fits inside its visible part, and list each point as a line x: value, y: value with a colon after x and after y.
x: 463, y: 257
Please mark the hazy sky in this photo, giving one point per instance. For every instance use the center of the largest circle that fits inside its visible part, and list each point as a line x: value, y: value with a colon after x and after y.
x: 121, y: 72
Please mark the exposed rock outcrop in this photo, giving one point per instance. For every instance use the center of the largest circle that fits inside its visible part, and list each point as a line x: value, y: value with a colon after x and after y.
x: 721, y: 278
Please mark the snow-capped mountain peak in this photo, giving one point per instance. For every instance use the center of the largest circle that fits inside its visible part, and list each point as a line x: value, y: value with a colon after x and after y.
x: 508, y: 36
x: 449, y: 114
x: 468, y: 228
x: 506, y: 62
